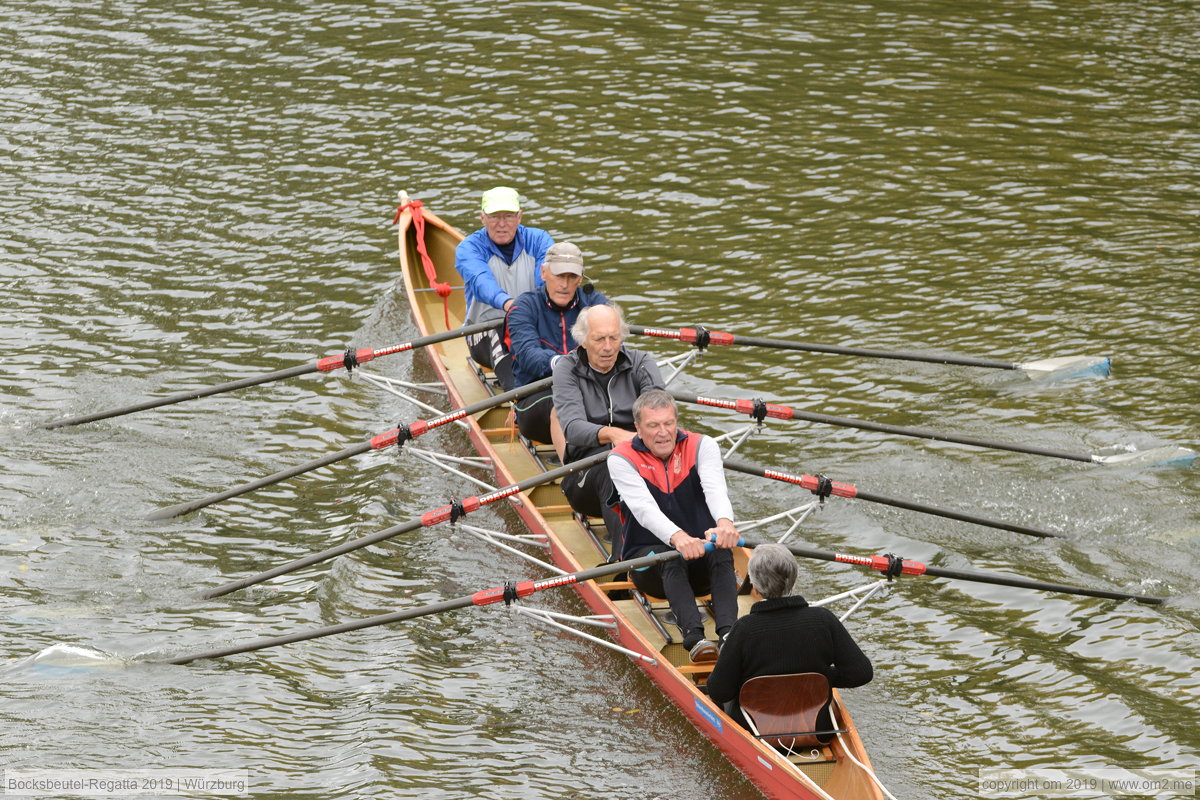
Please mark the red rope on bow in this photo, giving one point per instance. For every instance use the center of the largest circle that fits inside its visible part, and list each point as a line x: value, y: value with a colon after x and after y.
x: 418, y: 219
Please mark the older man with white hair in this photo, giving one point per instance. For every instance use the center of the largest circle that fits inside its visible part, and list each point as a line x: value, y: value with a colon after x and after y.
x: 595, y: 387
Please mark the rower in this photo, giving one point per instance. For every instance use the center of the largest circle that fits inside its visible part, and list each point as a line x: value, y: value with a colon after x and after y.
x: 595, y: 387
x: 538, y: 332
x: 672, y: 488
x: 784, y: 635
x: 498, y: 262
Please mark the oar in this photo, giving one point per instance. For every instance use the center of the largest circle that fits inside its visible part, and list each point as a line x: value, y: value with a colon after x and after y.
x: 350, y: 359
x: 396, y: 436
x: 893, y: 565
x: 451, y: 512
x: 507, y: 593
x: 760, y: 410
x: 1062, y: 367
x: 815, y: 484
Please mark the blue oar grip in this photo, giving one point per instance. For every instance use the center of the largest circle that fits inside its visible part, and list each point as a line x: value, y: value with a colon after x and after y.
x: 709, y: 545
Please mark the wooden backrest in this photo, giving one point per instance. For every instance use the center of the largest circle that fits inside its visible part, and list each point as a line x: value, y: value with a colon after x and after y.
x: 786, y: 710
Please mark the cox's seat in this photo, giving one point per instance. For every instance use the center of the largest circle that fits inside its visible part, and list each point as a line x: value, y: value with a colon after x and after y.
x: 789, y: 711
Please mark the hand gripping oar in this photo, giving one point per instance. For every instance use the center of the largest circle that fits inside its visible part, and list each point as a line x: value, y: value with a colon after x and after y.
x: 506, y: 594
x: 396, y: 436
x: 892, y: 566
x: 759, y: 411
x: 823, y: 486
x: 451, y: 512
x: 350, y: 359
x: 1061, y: 368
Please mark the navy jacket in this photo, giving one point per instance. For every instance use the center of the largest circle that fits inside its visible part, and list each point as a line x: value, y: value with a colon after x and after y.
x: 536, y: 330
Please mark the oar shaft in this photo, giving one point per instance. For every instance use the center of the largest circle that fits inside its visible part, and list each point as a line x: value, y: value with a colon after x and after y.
x: 882, y: 563
x: 948, y: 513
x: 699, y: 335
x: 178, y: 510
x: 811, y: 483
x: 480, y: 598
x: 787, y: 412
x: 292, y: 372
x: 314, y: 558
x: 379, y: 442
x: 426, y: 520
x: 383, y: 619
x: 327, y: 364
x: 1029, y: 583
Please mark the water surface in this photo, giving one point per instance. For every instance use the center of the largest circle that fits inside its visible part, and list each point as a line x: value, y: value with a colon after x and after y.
x: 202, y: 192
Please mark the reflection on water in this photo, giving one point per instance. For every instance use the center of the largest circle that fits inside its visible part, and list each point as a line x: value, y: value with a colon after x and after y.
x: 196, y: 194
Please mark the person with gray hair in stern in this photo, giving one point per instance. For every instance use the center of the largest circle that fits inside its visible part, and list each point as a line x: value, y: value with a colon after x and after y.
x: 783, y: 634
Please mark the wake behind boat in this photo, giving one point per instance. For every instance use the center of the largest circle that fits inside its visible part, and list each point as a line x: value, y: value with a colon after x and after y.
x: 838, y: 771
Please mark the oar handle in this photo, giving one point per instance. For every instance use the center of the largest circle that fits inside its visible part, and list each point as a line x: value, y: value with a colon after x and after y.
x: 702, y: 338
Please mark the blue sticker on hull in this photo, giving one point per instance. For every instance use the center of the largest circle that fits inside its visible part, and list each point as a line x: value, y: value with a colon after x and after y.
x: 709, y: 715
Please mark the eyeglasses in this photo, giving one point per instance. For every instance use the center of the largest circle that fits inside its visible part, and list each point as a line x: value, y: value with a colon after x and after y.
x: 503, y: 217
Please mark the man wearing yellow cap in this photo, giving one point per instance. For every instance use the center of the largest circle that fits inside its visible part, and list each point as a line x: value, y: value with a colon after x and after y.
x: 498, y: 263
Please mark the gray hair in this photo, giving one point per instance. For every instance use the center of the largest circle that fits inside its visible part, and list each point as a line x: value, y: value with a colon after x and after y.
x: 653, y: 398
x: 579, y: 330
x: 772, y: 570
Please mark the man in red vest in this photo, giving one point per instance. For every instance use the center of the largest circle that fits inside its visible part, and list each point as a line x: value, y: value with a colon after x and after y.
x: 673, y: 495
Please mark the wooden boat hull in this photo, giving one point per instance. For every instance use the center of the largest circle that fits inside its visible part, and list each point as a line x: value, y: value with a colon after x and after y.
x: 544, y: 510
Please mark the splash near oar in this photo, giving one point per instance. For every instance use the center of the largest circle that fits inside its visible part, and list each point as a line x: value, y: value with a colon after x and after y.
x: 894, y: 566
x: 759, y: 411
x: 823, y: 487
x: 1060, y: 368
x: 349, y: 360
x: 450, y: 513
x: 508, y: 593
x: 397, y: 436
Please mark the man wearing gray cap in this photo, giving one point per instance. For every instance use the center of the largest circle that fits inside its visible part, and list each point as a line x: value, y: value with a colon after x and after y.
x: 538, y: 332
x: 498, y: 263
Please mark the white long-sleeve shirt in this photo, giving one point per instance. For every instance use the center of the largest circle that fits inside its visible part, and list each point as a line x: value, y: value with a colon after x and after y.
x: 635, y: 494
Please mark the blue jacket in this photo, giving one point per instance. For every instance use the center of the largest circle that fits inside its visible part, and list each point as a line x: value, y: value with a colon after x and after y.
x: 537, y: 330
x: 479, y: 262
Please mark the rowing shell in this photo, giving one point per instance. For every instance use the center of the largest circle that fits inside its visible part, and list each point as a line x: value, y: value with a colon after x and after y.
x: 839, y: 771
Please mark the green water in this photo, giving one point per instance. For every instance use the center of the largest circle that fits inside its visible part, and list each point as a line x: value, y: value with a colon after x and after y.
x: 194, y: 193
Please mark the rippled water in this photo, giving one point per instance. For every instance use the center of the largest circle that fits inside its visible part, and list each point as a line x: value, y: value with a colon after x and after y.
x: 196, y: 193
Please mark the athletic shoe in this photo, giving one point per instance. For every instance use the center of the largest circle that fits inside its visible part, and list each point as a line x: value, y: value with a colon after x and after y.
x: 704, y: 651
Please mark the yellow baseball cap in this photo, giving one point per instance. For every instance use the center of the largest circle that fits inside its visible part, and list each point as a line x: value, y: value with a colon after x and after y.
x: 501, y: 198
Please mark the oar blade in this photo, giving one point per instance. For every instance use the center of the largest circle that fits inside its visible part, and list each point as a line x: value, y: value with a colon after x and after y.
x: 1066, y: 368
x: 1166, y: 456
